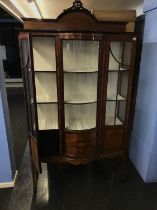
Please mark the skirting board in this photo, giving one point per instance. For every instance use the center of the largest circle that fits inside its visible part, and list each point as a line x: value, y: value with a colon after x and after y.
x: 9, y: 184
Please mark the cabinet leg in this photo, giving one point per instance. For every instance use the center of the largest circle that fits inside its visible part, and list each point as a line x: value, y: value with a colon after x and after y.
x: 35, y: 178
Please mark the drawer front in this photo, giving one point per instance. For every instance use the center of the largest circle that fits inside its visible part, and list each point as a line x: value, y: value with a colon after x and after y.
x: 113, y: 139
x: 80, y: 144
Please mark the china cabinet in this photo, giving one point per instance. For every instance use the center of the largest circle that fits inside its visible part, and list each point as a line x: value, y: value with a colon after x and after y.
x: 78, y: 75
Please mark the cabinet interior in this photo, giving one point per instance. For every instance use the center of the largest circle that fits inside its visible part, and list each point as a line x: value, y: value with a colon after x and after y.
x: 80, y: 116
x: 80, y: 73
x: 80, y: 87
x: 47, y: 116
x: 46, y: 87
x: 80, y: 55
x: 44, y: 53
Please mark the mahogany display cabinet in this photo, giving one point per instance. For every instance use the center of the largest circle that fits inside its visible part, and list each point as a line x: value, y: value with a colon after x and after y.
x: 78, y: 75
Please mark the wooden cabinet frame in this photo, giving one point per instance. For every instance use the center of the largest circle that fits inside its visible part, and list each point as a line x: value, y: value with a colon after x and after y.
x: 82, y: 146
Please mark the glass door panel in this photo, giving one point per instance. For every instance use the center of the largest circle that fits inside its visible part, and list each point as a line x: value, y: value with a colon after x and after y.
x: 120, y: 112
x: 123, y: 84
x: 110, y: 112
x: 25, y: 63
x: 45, y: 82
x: 80, y: 66
x: 80, y: 56
x: 118, y: 77
x: 80, y: 88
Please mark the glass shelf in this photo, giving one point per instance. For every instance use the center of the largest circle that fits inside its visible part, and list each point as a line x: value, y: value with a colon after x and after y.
x: 45, y: 71
x: 120, y: 69
x: 50, y: 102
x: 112, y: 98
x: 44, y: 53
x: 47, y: 116
x: 80, y: 99
x: 81, y: 71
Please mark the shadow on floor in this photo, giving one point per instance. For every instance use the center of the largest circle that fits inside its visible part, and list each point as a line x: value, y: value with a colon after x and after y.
x: 92, y: 187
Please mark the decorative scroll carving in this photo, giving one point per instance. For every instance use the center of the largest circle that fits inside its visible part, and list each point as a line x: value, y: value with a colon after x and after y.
x: 77, y: 6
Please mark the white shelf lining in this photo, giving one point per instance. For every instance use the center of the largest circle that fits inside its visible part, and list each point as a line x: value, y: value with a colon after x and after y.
x: 48, y: 124
x: 68, y: 70
x: 80, y: 124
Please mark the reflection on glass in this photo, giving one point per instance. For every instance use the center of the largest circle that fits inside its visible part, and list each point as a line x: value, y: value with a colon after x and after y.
x: 80, y: 88
x: 123, y: 83
x: 120, y: 55
x: 47, y: 116
x: 80, y: 56
x: 112, y: 85
x: 110, y: 112
x: 116, y: 49
x: 46, y: 87
x: 112, y: 118
x: 121, y: 108
x: 44, y: 53
x: 127, y: 53
x: 80, y: 117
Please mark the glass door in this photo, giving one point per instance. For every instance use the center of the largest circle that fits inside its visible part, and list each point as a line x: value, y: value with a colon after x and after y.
x: 80, y: 68
x: 118, y: 81
x: 45, y: 82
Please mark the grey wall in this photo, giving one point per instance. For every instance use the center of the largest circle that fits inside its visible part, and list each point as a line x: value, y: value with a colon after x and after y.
x: 7, y: 161
x: 143, y: 147
x: 149, y: 5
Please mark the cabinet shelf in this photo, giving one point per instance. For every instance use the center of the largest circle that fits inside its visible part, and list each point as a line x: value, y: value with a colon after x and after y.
x: 80, y: 71
x: 116, y: 70
x: 119, y: 98
x: 80, y: 124
x: 81, y: 99
x: 45, y: 71
x: 50, y: 102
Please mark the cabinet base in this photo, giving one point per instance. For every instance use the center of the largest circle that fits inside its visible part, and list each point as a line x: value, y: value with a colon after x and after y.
x: 84, y: 160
